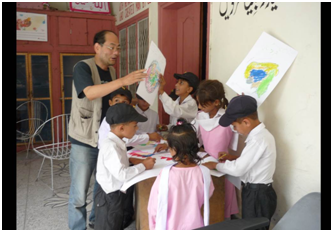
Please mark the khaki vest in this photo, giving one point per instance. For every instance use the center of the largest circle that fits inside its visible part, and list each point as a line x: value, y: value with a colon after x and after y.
x: 85, y: 114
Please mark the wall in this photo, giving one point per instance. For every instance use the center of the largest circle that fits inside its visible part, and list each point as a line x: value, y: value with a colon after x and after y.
x: 291, y: 112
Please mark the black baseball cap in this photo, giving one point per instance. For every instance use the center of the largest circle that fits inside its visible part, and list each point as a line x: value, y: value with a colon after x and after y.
x: 191, y: 78
x: 122, y: 113
x: 122, y: 91
x: 240, y: 106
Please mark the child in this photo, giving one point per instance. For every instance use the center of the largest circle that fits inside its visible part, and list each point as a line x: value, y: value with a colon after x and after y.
x: 180, y: 190
x: 256, y: 164
x: 143, y: 108
x: 118, y: 96
x: 113, y: 167
x: 212, y: 103
x: 185, y: 106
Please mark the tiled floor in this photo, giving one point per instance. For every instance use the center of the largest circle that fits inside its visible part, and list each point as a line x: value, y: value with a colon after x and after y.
x: 37, y: 207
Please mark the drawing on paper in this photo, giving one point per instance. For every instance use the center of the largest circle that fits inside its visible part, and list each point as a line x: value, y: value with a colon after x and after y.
x: 152, y: 80
x: 260, y: 75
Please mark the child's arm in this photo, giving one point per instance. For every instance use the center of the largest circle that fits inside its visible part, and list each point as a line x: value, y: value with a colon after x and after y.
x: 148, y: 162
x: 142, y: 138
x: 187, y: 110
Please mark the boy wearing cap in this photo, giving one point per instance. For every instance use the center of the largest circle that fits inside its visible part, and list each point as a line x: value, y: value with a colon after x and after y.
x: 123, y: 95
x: 113, y: 166
x: 184, y: 106
x: 256, y: 164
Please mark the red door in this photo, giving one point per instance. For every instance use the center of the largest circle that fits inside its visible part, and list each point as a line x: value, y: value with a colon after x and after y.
x: 188, y: 38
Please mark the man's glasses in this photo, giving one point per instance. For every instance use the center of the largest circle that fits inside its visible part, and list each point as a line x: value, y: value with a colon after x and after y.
x: 118, y: 49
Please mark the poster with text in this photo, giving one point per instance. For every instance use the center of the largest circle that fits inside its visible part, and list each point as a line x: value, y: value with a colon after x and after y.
x: 155, y: 64
x: 263, y: 68
x: 32, y: 27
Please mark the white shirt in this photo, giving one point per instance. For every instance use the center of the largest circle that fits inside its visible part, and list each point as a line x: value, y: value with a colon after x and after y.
x: 113, y: 165
x: 256, y: 164
x: 188, y: 109
x: 148, y: 126
x: 104, y: 129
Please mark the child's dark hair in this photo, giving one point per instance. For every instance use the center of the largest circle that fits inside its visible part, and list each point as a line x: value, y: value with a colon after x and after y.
x: 183, y: 139
x: 211, y: 90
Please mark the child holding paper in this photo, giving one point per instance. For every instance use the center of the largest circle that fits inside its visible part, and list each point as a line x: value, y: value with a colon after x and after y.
x: 113, y: 167
x: 184, y: 106
x: 215, y: 138
x: 180, y: 190
x: 256, y: 164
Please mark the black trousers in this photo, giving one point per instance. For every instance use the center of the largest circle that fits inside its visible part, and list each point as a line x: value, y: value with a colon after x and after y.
x: 114, y: 211
x: 258, y: 200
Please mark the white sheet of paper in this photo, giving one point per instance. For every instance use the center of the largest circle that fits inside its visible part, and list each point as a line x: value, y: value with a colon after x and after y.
x: 160, y: 163
x: 262, y: 68
x: 155, y: 64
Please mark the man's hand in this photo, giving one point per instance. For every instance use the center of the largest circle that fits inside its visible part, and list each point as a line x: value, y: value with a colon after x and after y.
x: 162, y: 84
x: 161, y: 147
x: 154, y: 136
x: 210, y: 165
x: 149, y: 163
x: 134, y: 77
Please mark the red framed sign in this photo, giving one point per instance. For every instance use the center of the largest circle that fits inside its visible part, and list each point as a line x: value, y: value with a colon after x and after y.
x: 90, y: 7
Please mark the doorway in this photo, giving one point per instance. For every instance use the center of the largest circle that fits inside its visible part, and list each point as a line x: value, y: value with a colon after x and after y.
x: 182, y: 39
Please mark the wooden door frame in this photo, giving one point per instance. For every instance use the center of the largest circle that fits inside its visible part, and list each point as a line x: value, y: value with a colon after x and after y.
x: 167, y: 38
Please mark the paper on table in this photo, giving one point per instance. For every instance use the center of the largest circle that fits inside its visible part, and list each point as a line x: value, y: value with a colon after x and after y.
x: 155, y: 64
x: 162, y: 160
x: 160, y: 163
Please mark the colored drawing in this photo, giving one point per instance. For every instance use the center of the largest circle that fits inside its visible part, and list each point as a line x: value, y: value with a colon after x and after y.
x: 259, y: 75
x: 263, y: 68
x: 155, y: 64
x: 152, y: 80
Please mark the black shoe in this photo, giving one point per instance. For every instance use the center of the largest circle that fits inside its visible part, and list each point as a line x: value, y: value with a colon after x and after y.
x: 91, y: 225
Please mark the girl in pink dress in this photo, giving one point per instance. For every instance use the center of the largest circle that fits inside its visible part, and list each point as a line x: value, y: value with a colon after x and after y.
x: 180, y: 190
x: 215, y: 138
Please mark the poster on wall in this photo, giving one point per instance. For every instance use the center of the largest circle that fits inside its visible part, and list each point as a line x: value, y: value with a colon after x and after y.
x: 32, y: 27
x: 263, y: 68
x: 155, y: 64
x: 90, y: 7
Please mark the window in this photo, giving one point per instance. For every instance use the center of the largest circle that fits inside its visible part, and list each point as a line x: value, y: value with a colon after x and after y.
x: 134, y: 41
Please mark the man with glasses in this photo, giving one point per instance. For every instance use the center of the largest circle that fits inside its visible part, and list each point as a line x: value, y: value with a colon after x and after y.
x: 93, y: 80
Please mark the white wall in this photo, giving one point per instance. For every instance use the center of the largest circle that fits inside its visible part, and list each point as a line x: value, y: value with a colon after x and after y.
x: 291, y: 111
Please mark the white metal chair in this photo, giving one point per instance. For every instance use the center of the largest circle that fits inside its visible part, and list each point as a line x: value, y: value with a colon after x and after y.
x: 26, y: 128
x: 59, y: 148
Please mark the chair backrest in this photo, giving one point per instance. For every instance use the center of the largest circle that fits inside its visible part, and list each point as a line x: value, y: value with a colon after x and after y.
x: 36, y: 109
x: 57, y: 129
x: 303, y: 215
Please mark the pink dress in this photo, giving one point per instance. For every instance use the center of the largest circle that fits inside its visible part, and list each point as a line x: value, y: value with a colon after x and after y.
x: 185, y: 198
x: 215, y: 139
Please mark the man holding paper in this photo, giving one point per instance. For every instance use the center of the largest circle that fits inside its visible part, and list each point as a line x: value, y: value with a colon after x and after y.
x: 93, y: 80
